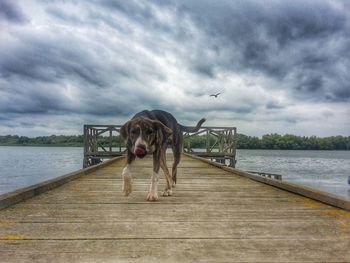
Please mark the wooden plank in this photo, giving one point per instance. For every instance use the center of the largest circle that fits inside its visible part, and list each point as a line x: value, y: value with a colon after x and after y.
x: 105, y: 212
x: 182, y: 198
x: 309, y: 229
x: 188, y: 186
x: 176, y: 250
x: 140, y: 198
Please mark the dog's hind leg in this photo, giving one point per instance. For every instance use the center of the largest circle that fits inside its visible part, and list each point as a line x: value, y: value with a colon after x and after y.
x: 127, y: 177
x: 169, y: 182
x: 177, y: 150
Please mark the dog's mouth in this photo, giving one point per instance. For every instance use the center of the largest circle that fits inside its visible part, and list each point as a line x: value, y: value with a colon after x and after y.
x: 140, y: 151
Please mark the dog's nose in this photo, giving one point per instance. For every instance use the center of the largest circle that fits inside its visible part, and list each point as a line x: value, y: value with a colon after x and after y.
x: 141, y: 146
x: 141, y: 150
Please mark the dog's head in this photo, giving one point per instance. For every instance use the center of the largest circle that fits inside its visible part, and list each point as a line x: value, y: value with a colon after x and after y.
x: 143, y: 135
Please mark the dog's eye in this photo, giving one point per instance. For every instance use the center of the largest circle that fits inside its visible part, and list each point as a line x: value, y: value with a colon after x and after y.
x: 149, y: 131
x: 134, y: 131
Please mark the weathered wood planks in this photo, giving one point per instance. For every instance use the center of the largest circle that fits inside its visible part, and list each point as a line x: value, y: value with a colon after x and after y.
x: 214, y: 216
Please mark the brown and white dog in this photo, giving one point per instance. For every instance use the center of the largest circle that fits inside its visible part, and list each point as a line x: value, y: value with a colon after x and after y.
x: 150, y: 132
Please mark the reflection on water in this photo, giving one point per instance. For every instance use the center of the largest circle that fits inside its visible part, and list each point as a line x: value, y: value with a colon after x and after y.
x: 324, y: 170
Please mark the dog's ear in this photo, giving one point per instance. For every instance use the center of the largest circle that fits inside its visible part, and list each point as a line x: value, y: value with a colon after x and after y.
x: 160, y: 126
x: 124, y: 130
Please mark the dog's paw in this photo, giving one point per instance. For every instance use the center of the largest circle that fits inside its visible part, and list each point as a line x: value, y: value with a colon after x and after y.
x: 167, y: 192
x: 152, y: 196
x: 127, y: 187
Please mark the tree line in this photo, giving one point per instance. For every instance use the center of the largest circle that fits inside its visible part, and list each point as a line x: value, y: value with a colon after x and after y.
x: 293, y: 142
x: 281, y: 142
x: 268, y: 141
x: 53, y: 140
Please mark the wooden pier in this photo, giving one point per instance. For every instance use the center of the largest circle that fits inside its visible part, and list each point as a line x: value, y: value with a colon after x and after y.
x: 217, y: 214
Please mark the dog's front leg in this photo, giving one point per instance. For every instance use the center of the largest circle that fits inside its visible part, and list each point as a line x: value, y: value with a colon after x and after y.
x: 153, y: 189
x: 127, y: 180
x: 127, y: 177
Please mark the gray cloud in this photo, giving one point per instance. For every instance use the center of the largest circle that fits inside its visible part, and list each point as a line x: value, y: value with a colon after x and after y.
x: 272, y: 105
x: 297, y: 42
x: 99, y: 60
x: 10, y: 12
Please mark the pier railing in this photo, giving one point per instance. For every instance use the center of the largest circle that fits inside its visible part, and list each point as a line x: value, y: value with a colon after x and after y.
x: 220, y: 144
x: 101, y: 142
x: 104, y: 141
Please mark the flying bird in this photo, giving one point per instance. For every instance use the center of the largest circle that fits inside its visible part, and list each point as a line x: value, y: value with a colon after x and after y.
x: 215, y: 95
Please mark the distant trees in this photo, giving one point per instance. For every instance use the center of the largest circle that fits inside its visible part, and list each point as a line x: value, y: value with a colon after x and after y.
x: 293, y: 142
x: 54, y: 140
x: 283, y: 142
x: 267, y: 141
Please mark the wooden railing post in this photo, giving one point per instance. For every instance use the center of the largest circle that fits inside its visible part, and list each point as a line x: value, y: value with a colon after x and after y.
x: 110, y: 140
x: 86, y: 147
x: 208, y: 141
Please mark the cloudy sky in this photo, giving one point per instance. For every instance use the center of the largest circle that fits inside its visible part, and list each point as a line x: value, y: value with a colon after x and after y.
x: 281, y: 66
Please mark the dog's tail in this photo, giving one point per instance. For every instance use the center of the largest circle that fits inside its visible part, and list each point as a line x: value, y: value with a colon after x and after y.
x: 192, y: 129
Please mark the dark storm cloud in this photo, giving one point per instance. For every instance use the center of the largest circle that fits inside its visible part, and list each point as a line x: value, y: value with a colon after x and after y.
x: 11, y: 12
x: 279, y: 39
x: 36, y: 68
x: 4, y: 118
x: 48, y: 60
x: 272, y: 105
x: 134, y: 9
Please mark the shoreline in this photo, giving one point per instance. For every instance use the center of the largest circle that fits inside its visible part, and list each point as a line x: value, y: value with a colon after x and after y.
x: 77, y: 146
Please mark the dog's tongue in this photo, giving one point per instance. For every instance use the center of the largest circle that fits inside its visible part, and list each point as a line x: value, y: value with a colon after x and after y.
x: 140, y: 152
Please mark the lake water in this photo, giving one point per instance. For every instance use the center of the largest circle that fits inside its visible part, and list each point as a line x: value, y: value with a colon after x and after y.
x: 324, y: 170
x: 24, y: 166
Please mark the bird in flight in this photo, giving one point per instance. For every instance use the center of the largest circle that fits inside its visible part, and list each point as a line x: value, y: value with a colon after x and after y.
x: 215, y: 95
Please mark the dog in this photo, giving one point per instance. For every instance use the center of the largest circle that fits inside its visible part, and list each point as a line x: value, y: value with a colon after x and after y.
x: 150, y: 132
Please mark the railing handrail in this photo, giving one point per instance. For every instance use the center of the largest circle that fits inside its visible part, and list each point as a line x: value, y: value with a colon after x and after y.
x: 119, y: 126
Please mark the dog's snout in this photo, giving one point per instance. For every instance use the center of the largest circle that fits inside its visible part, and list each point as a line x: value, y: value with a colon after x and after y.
x: 141, y: 146
x: 141, y: 150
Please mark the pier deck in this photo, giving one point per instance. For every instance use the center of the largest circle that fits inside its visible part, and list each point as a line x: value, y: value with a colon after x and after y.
x: 213, y: 216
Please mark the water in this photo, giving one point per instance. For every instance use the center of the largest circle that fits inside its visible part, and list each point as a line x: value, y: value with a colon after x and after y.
x: 324, y: 170
x: 24, y: 166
